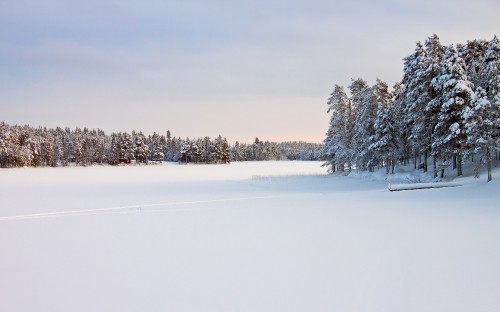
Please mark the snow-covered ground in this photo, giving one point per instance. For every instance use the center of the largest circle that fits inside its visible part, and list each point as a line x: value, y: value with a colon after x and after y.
x: 266, y: 236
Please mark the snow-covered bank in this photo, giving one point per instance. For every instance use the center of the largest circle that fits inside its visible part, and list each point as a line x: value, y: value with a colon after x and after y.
x: 266, y: 236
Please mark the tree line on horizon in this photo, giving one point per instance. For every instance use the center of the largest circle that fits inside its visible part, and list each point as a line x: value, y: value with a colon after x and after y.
x: 25, y: 146
x: 446, y: 108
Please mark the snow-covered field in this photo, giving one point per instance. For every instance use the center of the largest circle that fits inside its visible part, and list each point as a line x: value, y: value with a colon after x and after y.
x: 267, y: 236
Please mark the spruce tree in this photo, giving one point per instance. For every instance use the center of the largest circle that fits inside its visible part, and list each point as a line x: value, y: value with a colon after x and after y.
x: 454, y: 95
x: 482, y: 124
x: 335, y: 148
x: 365, y: 111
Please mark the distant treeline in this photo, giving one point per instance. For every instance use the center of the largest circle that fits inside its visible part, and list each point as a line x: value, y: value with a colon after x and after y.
x: 265, y: 150
x: 446, y: 109
x: 40, y: 147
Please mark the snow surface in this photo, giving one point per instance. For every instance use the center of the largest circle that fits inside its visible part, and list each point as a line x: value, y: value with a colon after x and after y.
x: 265, y: 236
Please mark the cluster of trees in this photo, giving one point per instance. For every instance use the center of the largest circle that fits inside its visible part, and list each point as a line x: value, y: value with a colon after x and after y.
x: 446, y: 108
x: 206, y: 151
x: 26, y: 146
x: 38, y: 147
x: 265, y: 150
x: 22, y: 146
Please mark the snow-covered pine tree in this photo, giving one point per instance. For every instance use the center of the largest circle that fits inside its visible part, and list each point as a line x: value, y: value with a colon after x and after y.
x: 5, y: 157
x: 127, y: 147
x: 57, y: 150
x: 257, y: 149
x: 482, y: 121
x: 417, y: 92
x: 365, y: 111
x: 20, y: 150
x: 156, y: 148
x: 114, y: 150
x: 219, y: 149
x: 434, y: 56
x: 185, y: 147
x: 36, y: 145
x: 67, y: 146
x: 158, y: 155
x: 473, y: 54
x: 236, y: 152
x: 491, y: 72
x: 226, y: 152
x: 141, y: 149
x: 335, y: 151
x: 88, y: 150
x: 78, y: 147
x: 398, y: 111
x: 48, y: 148
x: 454, y: 94
x: 102, y: 146
x: 490, y: 76
x: 194, y: 151
x: 383, y: 146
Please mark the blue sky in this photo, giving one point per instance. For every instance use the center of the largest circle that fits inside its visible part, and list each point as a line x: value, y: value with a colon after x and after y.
x: 238, y: 68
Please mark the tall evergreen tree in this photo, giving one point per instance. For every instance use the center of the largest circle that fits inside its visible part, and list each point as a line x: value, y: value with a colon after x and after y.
x: 336, y: 148
x: 140, y: 148
x: 491, y: 72
x: 455, y: 93
x: 384, y: 144
x: 365, y: 111
x: 482, y: 121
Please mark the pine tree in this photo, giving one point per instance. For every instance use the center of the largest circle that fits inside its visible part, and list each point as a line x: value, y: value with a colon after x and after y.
x: 417, y: 91
x: 401, y: 131
x: 491, y: 72
x: 482, y: 124
x: 140, y: 148
x: 434, y: 56
x: 384, y: 144
x: 67, y: 148
x: 483, y: 119
x: 114, y: 150
x: 158, y: 155
x: 185, y: 147
x: 127, y: 148
x: 454, y: 94
x: 473, y: 54
x: 335, y: 148
x: 156, y: 147
x: 365, y: 111
x: 226, y: 152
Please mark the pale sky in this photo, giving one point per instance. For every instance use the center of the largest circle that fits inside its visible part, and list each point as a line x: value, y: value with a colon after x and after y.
x: 237, y: 68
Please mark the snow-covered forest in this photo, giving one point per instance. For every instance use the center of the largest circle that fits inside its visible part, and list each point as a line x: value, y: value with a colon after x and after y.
x: 445, y: 110
x: 38, y: 147
x: 265, y: 150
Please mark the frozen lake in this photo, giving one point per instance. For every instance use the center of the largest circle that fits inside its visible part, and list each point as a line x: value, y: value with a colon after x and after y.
x: 257, y: 236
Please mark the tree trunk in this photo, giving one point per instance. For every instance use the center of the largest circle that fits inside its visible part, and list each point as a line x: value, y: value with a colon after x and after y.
x: 459, y: 165
x: 434, y: 161
x: 489, y: 159
x: 425, y: 161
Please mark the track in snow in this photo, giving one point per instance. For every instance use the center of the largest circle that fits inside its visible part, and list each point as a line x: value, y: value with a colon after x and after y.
x: 124, y: 209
